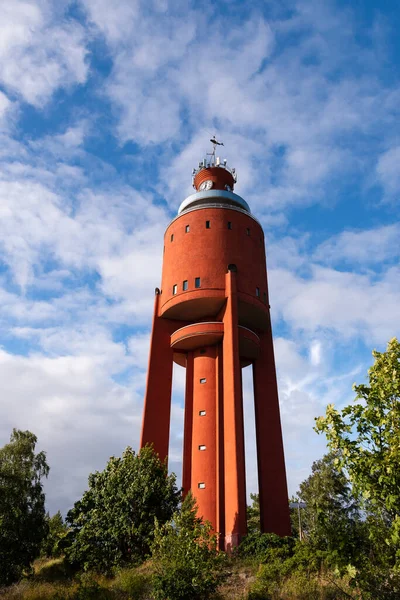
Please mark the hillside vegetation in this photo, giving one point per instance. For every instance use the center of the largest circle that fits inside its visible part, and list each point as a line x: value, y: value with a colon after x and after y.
x: 132, y: 536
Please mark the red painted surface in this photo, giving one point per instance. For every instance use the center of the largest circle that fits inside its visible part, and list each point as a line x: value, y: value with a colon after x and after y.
x: 214, y: 330
x: 218, y: 175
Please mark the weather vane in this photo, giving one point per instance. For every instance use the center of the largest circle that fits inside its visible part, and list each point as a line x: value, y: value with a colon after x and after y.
x: 215, y: 143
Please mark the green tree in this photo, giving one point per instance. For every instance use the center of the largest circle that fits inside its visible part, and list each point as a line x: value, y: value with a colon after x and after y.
x: 113, y: 523
x: 331, y: 519
x: 187, y: 565
x: 22, y: 512
x: 253, y: 515
x: 367, y: 433
x: 57, y: 530
x: 366, y: 438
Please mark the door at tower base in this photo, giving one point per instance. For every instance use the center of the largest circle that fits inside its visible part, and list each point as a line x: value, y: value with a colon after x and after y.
x: 211, y: 316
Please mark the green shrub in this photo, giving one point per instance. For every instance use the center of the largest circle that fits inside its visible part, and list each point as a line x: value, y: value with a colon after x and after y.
x: 135, y: 582
x: 263, y: 547
x: 186, y: 563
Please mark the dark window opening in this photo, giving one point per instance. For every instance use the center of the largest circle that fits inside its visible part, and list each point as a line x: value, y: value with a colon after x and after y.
x: 257, y: 292
x: 207, y: 224
x: 187, y: 229
x: 172, y: 237
x: 247, y: 231
x: 185, y: 285
x: 197, y: 282
x: 229, y: 225
x: 174, y: 289
x: 202, y: 351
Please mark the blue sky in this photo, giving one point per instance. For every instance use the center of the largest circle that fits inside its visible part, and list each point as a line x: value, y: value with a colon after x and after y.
x: 105, y: 107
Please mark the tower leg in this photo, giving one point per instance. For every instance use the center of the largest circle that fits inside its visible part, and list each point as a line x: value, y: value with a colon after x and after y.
x: 188, y: 427
x: 234, y: 467
x: 157, y: 403
x: 204, y: 440
x: 274, y: 504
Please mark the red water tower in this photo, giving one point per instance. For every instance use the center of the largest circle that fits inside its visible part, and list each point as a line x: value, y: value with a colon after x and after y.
x: 211, y: 316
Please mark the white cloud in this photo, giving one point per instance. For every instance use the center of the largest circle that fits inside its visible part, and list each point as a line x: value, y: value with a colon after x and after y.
x: 367, y: 247
x: 387, y: 170
x: 38, y: 56
x: 348, y: 304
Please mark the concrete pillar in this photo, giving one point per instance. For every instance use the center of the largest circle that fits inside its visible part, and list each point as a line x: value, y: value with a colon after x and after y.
x: 157, y: 402
x: 204, y: 441
x: 274, y: 506
x: 188, y: 427
x: 234, y: 462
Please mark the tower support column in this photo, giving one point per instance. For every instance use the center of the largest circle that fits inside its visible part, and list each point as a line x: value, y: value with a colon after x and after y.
x: 234, y: 461
x: 188, y: 427
x: 157, y: 402
x: 274, y: 504
x: 204, y: 439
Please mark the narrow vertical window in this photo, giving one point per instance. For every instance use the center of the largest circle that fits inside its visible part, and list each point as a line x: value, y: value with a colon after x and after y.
x: 172, y: 237
x: 197, y: 282
x: 257, y: 292
x: 185, y: 285
x: 187, y: 229
x: 247, y: 231
x: 174, y: 289
x: 229, y: 225
x: 207, y: 224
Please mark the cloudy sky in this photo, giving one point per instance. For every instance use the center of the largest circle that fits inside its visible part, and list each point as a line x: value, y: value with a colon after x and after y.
x: 105, y: 107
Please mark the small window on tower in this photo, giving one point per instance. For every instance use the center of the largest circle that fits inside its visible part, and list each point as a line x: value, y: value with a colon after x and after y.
x: 187, y: 229
x: 203, y: 380
x: 185, y: 285
x: 207, y: 224
x: 247, y: 231
x: 229, y: 225
x: 197, y: 282
x: 202, y: 413
x: 257, y: 292
x: 172, y: 237
x: 201, y: 485
x: 202, y: 447
x: 174, y: 289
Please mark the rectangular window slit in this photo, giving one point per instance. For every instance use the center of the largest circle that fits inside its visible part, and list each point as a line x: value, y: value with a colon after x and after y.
x: 174, y: 289
x: 258, y: 292
x: 247, y: 231
x: 207, y: 224
x: 202, y: 413
x: 172, y: 237
x: 185, y: 285
x: 203, y: 380
x: 202, y: 447
x: 197, y: 282
x: 201, y: 485
x: 229, y: 225
x: 187, y: 229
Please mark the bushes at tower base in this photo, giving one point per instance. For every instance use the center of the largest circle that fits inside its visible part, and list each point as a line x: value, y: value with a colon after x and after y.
x: 113, y: 523
x: 186, y: 563
x: 23, y: 523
